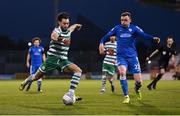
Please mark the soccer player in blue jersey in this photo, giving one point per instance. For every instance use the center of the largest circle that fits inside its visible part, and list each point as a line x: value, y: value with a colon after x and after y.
x: 126, y: 34
x: 35, y: 58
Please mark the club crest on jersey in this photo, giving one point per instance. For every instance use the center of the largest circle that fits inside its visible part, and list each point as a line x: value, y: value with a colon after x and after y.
x: 164, y: 52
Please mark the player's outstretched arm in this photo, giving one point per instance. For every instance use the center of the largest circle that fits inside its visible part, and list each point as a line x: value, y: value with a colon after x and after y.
x: 108, y: 35
x: 75, y: 26
x: 152, y: 54
x: 105, y: 39
x: 142, y: 34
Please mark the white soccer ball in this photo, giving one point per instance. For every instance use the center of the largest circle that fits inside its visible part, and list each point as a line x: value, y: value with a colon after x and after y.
x: 69, y: 101
x: 29, y: 44
x: 149, y: 62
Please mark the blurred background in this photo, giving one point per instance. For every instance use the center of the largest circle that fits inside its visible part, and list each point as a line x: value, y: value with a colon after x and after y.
x: 22, y: 20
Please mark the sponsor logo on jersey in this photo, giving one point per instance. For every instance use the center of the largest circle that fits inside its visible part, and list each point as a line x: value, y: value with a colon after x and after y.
x: 125, y: 35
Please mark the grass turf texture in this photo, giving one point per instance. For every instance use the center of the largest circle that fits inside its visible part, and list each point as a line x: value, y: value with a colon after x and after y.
x: 164, y: 100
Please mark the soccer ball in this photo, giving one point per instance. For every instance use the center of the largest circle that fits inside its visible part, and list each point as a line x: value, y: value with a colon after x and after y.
x: 68, y: 100
x: 29, y: 44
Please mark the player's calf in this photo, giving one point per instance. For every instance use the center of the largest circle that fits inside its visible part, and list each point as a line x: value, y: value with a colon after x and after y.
x: 137, y: 90
x: 103, y: 84
x: 75, y: 81
x: 110, y: 78
x: 112, y: 85
x: 124, y: 84
x: 137, y: 86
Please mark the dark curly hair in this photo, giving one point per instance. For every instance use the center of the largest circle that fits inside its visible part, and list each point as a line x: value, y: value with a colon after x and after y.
x: 62, y: 15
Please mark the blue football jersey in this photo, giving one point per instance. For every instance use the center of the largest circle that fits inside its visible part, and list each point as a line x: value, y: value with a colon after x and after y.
x: 36, y: 55
x: 126, y: 39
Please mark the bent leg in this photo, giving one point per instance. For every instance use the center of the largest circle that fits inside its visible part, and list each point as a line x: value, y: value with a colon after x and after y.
x: 76, y: 76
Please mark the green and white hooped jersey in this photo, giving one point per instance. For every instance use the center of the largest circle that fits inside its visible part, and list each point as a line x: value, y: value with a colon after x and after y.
x: 58, y: 48
x: 110, y: 49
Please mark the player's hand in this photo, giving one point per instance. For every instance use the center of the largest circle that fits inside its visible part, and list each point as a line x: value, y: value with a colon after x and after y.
x: 101, y: 49
x: 66, y: 41
x: 111, y: 51
x: 78, y: 26
x: 147, y: 59
x: 27, y: 65
x: 157, y: 39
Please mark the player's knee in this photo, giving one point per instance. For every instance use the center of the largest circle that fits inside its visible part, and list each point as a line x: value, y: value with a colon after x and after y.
x: 39, y: 74
x: 122, y: 77
x: 78, y: 70
x: 122, y: 71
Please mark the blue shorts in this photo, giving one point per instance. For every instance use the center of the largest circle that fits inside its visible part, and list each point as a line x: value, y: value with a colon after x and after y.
x: 34, y: 68
x: 132, y: 64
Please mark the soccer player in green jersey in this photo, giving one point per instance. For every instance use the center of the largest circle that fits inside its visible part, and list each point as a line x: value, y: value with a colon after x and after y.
x: 57, y: 55
x: 109, y: 64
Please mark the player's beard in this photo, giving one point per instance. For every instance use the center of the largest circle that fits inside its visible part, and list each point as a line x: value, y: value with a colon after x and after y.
x: 64, y: 29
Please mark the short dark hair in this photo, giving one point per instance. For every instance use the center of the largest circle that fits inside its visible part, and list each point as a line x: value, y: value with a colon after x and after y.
x: 36, y: 38
x: 62, y: 15
x: 126, y: 14
x: 169, y: 36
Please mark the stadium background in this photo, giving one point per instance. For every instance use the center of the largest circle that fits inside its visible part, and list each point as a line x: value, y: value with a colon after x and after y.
x: 22, y: 20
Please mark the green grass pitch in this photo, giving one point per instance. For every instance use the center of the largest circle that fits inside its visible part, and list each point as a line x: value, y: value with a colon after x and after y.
x: 164, y: 100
